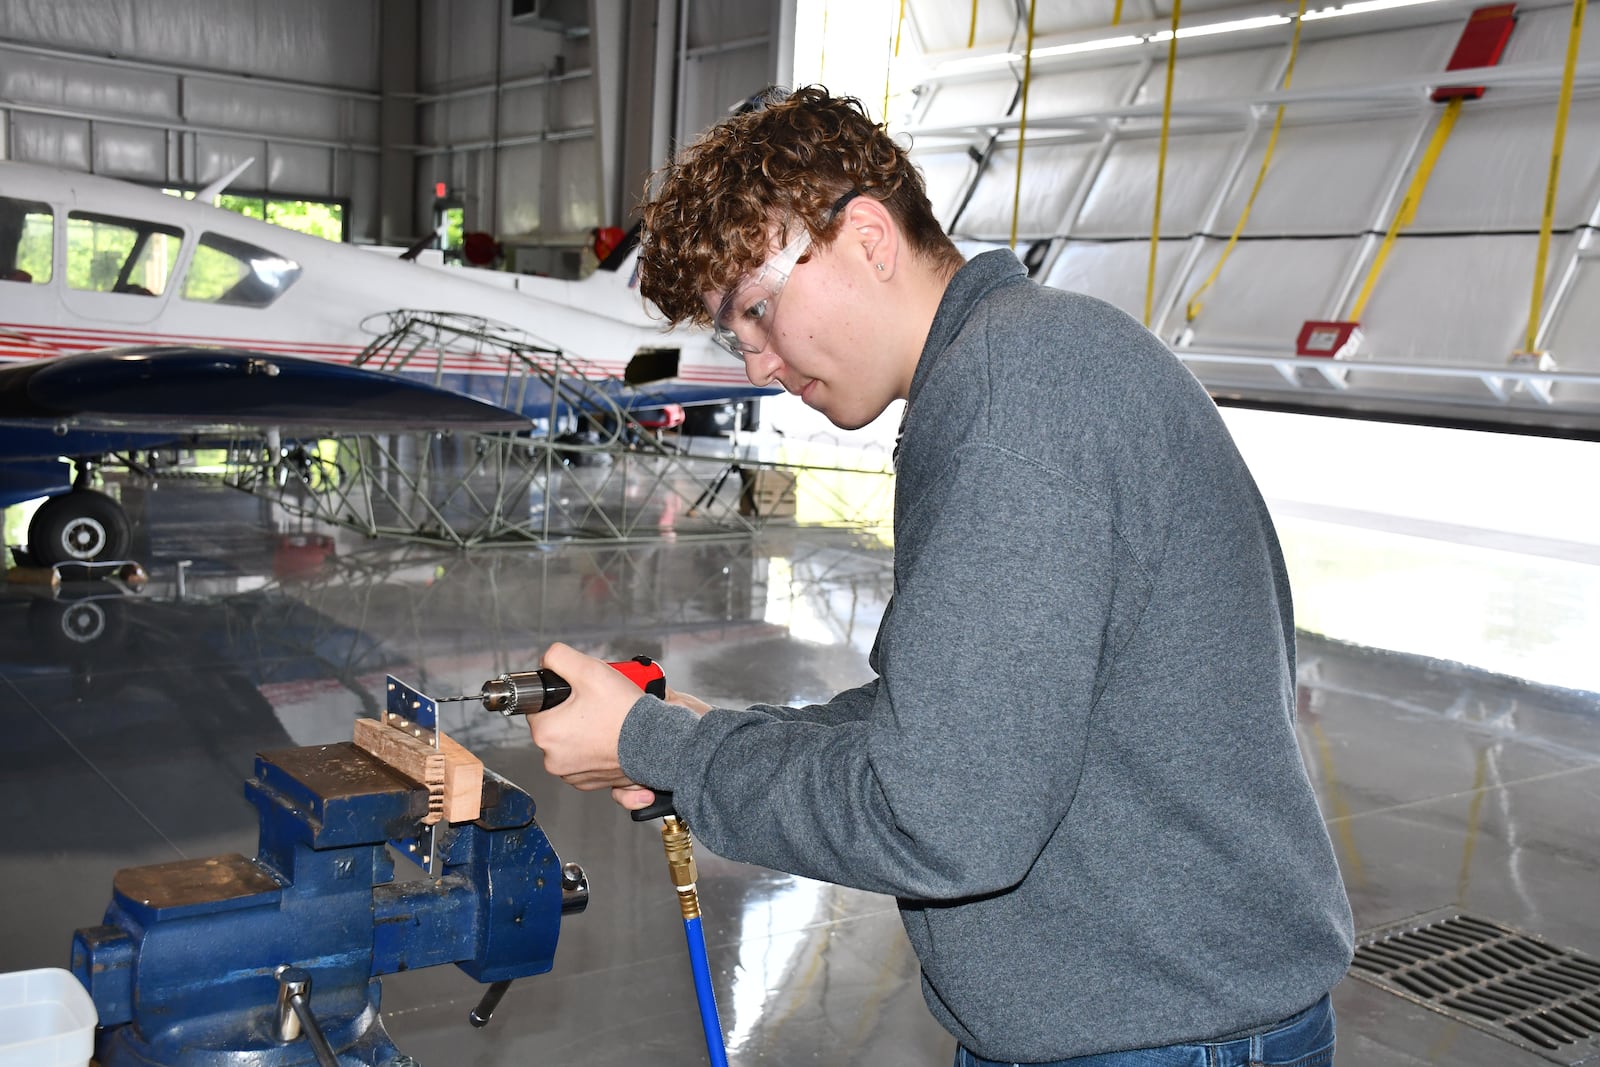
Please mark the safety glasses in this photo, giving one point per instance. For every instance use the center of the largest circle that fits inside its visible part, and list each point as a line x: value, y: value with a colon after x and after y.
x: 743, y: 323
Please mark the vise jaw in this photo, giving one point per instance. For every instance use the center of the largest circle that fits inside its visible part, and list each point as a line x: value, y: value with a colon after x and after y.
x: 185, y: 969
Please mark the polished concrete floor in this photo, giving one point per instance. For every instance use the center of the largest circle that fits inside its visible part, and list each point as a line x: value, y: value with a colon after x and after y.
x: 132, y: 721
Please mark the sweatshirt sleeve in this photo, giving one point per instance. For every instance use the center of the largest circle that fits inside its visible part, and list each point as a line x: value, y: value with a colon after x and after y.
x: 968, y: 756
x: 849, y: 706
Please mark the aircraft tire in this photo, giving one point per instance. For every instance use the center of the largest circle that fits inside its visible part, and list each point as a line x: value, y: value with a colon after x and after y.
x: 83, y: 525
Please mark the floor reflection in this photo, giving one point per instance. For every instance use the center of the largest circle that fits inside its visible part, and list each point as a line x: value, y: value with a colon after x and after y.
x: 1526, y: 616
x: 1450, y: 773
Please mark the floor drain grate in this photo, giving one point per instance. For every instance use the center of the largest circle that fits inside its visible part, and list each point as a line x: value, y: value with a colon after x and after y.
x: 1534, y: 994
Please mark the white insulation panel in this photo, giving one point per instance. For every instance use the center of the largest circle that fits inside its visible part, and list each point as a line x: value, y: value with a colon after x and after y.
x: 1264, y: 293
x: 1116, y: 271
x: 296, y: 40
x: 1324, y: 178
x: 1574, y: 339
x: 1439, y: 297
x: 1493, y: 172
x: 1051, y: 173
x: 1121, y: 202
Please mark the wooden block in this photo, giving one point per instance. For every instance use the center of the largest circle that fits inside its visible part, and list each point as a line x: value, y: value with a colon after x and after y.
x: 463, y: 781
x: 452, y: 775
x: 421, y: 763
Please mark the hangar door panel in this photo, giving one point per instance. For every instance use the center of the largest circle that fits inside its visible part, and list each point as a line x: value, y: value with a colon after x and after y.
x: 1442, y: 296
x: 1052, y: 173
x: 1493, y: 171
x: 1121, y: 202
x: 1442, y: 307
x: 1326, y: 178
x: 1115, y: 271
x: 1264, y: 294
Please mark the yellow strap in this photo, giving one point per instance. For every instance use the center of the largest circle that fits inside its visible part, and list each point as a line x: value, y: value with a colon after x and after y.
x: 1536, y: 304
x: 888, y: 60
x: 1116, y: 14
x: 1161, y: 164
x: 1192, y: 309
x: 822, y: 51
x: 1407, y: 211
x: 1022, y: 126
x: 972, y: 27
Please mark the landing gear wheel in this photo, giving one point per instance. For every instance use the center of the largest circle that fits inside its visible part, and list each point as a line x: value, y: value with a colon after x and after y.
x: 81, y: 526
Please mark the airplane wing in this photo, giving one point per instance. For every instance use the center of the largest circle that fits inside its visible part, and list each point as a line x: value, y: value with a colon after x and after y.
x: 88, y: 405
x: 186, y: 390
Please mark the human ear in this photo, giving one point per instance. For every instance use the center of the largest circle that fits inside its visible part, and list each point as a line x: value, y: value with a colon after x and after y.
x: 871, y: 232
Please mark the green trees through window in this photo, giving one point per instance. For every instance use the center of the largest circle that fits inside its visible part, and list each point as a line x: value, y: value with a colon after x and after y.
x: 304, y: 216
x: 27, y: 236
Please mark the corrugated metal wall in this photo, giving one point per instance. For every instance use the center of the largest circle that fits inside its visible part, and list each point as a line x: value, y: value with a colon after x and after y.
x: 182, y: 91
x: 372, y: 102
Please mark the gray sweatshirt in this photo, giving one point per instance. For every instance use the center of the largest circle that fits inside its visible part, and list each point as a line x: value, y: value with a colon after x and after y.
x: 1076, y: 767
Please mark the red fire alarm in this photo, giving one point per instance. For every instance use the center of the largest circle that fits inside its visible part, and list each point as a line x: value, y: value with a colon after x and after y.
x: 1332, y: 340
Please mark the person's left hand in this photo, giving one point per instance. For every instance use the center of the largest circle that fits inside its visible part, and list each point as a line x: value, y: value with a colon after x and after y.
x: 579, y: 736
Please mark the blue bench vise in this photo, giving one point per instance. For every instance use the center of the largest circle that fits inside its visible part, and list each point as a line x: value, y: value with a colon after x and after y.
x: 275, y: 961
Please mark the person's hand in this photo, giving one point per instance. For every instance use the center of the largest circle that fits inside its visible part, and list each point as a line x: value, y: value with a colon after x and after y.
x: 633, y: 797
x: 579, y: 736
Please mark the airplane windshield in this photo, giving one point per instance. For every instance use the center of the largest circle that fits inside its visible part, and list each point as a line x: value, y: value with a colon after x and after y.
x: 114, y: 255
x: 27, y: 241
x: 229, y: 271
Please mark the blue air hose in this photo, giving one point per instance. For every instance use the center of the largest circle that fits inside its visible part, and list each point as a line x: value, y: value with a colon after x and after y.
x: 680, y: 863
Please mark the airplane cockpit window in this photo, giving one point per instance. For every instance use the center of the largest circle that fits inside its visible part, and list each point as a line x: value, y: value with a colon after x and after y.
x: 228, y: 271
x: 114, y: 255
x: 27, y: 241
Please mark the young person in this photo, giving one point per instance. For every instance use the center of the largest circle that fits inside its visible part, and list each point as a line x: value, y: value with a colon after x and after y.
x: 1076, y: 767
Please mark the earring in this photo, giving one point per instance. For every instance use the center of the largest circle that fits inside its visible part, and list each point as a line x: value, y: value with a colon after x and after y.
x: 880, y: 266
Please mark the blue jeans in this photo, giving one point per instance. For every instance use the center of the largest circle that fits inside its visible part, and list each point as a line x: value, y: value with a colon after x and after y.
x: 1304, y: 1040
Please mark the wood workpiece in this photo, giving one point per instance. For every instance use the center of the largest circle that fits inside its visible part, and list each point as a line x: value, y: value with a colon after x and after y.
x: 453, y: 776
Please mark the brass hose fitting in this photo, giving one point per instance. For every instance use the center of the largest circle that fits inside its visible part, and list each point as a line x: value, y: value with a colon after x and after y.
x: 679, y: 844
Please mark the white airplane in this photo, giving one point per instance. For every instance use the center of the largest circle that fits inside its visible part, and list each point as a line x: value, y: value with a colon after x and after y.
x: 129, y: 317
x: 91, y: 262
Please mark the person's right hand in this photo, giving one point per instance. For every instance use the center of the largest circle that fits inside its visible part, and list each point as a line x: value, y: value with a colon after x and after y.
x: 633, y: 797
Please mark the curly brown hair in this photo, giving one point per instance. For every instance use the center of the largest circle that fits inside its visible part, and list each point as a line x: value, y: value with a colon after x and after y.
x: 710, y: 222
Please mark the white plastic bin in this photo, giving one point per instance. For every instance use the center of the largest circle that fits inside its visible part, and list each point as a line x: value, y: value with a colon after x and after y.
x: 46, y: 1019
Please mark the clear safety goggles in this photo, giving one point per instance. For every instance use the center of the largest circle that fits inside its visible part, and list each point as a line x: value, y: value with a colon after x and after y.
x: 743, y: 323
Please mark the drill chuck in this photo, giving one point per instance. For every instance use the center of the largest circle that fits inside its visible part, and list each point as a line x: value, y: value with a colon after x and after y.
x: 525, y: 692
x: 530, y: 692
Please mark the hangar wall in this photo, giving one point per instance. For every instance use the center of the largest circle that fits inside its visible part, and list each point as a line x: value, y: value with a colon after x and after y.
x: 181, y: 92
x: 543, y: 117
x: 1451, y: 304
